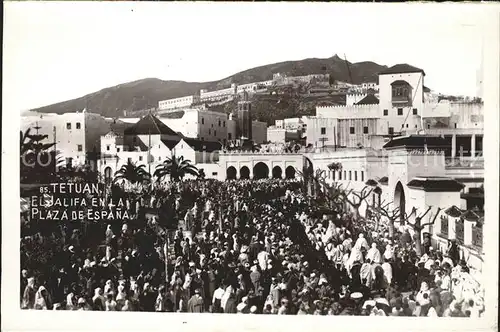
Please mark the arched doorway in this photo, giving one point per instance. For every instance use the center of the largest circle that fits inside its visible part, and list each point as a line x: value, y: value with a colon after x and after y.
x: 290, y: 172
x: 245, y: 173
x: 107, y: 174
x: 400, y: 200
x: 260, y: 171
x: 231, y: 173
x: 277, y: 172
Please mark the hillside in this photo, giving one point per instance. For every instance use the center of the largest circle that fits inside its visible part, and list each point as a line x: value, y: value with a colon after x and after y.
x: 146, y: 93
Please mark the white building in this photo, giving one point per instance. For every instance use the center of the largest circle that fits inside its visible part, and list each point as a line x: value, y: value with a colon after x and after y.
x: 180, y: 102
x: 218, y: 95
x: 76, y: 135
x: 151, y: 142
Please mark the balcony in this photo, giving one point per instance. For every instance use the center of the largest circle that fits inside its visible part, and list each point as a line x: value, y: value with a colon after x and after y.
x: 401, y: 100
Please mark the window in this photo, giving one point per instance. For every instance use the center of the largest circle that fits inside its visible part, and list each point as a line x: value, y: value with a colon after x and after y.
x: 78, y: 125
x: 202, y: 139
x: 365, y: 130
x: 428, y: 126
x: 400, y: 111
x: 117, y: 149
x: 224, y: 124
x: 345, y: 175
x: 406, y: 125
x: 415, y: 111
x: 351, y: 130
x: 455, y: 125
x: 323, y: 130
x: 333, y: 175
x: 229, y: 136
x: 159, y: 158
x: 355, y: 175
x: 214, y: 173
x: 68, y: 125
x: 362, y: 176
x: 416, y: 126
x: 209, y: 131
x: 340, y: 175
x: 350, y: 175
x: 219, y: 123
x: 202, y: 121
x: 140, y: 158
x: 386, y: 112
x: 391, y: 130
x: 108, y: 147
x: 129, y: 159
x: 80, y: 148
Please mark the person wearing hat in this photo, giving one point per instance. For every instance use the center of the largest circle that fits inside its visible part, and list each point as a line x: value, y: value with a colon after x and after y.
x: 196, y: 303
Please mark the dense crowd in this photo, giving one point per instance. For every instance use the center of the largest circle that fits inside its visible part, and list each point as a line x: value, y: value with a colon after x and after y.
x: 256, y: 247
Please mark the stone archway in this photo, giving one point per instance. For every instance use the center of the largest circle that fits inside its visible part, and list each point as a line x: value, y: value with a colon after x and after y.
x: 108, y: 174
x: 245, y: 173
x: 277, y: 172
x: 290, y: 172
x: 260, y: 171
x: 400, y: 200
x: 231, y: 173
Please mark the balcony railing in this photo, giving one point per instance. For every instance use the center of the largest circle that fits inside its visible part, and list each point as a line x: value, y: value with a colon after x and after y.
x: 401, y: 100
x: 477, y: 162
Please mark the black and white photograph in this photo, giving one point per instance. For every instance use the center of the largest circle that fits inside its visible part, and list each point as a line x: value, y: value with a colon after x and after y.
x: 251, y: 159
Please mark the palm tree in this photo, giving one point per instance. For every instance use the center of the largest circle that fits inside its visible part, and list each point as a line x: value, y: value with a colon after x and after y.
x: 132, y: 173
x: 176, y: 167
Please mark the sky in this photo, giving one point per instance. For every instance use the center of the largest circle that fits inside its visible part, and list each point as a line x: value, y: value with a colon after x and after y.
x: 59, y: 51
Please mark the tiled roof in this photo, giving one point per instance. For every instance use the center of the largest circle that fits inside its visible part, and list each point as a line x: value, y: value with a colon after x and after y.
x: 383, y: 180
x: 400, y: 82
x: 171, y: 143
x: 435, y: 184
x: 199, y: 145
x: 417, y: 142
x: 150, y: 125
x: 402, y: 68
x: 473, y: 215
x: 368, y: 100
x: 453, y: 211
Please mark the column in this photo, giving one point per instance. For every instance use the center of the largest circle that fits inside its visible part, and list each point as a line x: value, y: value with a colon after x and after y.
x: 468, y: 232
x: 453, y: 145
x: 473, y: 145
x: 451, y: 228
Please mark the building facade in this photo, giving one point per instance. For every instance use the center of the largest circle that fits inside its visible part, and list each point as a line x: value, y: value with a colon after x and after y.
x: 180, y: 102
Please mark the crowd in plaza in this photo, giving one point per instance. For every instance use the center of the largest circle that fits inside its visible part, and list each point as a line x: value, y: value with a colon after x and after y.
x: 247, y: 247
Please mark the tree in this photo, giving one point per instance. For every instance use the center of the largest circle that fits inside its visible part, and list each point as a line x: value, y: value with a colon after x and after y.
x: 132, y: 173
x: 355, y: 199
x: 177, y: 168
x: 417, y: 226
x: 37, y: 162
x: 392, y: 215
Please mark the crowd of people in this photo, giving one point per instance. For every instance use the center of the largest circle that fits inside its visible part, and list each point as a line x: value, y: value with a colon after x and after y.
x: 248, y: 247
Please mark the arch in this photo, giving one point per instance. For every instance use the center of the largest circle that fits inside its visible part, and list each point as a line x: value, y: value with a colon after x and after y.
x: 107, y: 174
x: 231, y: 173
x: 400, y: 200
x: 290, y: 172
x: 260, y: 171
x: 277, y: 172
x: 244, y: 173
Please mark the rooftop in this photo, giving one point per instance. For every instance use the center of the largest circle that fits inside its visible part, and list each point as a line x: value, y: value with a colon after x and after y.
x: 416, y: 142
x: 402, y: 68
x: 199, y: 145
x: 435, y: 184
x: 368, y: 100
x: 150, y: 125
